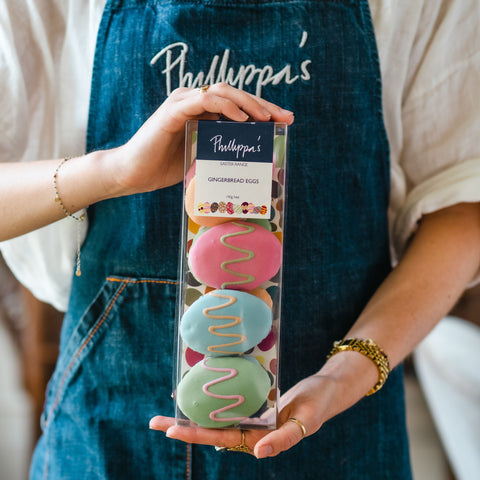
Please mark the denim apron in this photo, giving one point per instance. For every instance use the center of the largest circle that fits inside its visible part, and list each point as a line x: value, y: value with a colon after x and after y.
x: 318, y: 59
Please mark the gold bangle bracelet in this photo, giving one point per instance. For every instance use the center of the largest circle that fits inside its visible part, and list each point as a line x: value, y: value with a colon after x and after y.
x: 371, y: 350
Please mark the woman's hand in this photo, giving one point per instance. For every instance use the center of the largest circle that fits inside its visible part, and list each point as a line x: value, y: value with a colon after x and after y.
x: 153, y: 158
x: 312, y: 401
x: 301, y: 404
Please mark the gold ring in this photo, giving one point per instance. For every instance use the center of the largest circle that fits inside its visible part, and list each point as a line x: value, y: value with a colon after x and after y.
x: 204, y: 88
x: 242, y: 447
x: 300, y: 424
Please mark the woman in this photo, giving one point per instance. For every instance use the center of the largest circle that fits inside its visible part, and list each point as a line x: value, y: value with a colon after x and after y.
x: 319, y: 60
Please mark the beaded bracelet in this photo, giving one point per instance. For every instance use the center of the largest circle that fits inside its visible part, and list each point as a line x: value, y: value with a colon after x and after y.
x: 371, y: 350
x: 81, y: 218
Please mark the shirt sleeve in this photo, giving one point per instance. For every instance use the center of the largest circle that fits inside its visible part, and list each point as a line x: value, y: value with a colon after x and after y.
x: 46, y: 57
x: 13, y: 100
x: 440, y: 154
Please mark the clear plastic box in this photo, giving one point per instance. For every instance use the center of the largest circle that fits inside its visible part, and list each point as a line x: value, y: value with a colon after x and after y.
x: 229, y: 300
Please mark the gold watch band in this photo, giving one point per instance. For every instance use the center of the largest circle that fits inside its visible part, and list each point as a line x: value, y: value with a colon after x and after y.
x: 371, y: 350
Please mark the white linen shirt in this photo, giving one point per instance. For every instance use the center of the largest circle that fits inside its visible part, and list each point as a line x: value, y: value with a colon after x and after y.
x: 430, y: 66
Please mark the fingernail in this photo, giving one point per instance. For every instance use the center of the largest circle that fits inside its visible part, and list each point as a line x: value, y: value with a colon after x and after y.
x: 287, y: 112
x: 266, y: 113
x: 264, y: 451
x: 151, y: 423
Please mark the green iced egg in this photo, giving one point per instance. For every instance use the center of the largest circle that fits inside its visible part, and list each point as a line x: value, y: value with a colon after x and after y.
x: 223, y: 391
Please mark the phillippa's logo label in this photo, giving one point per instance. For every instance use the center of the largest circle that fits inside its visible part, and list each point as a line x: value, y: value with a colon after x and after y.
x: 234, y: 167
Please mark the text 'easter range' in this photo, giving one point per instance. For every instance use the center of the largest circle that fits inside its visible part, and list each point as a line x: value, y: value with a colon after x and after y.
x: 231, y: 262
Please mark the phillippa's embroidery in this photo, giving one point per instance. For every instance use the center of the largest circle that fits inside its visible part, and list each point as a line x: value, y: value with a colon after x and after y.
x: 175, y: 61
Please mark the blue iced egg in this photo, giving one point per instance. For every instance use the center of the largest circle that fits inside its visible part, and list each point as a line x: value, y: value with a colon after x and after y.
x: 225, y: 322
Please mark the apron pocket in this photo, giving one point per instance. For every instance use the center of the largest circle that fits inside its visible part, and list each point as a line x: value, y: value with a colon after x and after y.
x: 124, y: 335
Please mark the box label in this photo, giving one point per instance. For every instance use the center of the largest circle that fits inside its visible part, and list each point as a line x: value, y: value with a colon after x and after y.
x: 234, y: 168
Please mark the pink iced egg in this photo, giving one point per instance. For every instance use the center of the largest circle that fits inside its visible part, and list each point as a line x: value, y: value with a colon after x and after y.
x: 237, y: 255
